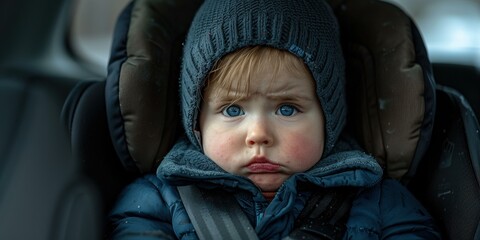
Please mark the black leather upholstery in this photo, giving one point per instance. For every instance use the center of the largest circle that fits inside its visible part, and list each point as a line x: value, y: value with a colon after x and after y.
x: 86, y: 120
x: 448, y: 179
x: 43, y: 192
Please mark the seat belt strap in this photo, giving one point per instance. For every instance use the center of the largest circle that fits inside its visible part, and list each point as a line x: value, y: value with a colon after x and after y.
x: 325, y: 215
x: 215, y: 215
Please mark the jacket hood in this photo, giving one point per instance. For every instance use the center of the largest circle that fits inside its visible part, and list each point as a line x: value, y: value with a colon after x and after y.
x: 307, y: 29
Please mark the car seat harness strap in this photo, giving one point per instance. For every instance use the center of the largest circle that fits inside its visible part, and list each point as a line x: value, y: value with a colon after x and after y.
x: 216, y: 215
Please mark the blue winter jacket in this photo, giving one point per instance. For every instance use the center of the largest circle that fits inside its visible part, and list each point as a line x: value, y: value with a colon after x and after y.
x: 151, y: 208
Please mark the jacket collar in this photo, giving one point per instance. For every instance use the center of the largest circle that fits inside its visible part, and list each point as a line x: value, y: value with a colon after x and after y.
x: 185, y: 164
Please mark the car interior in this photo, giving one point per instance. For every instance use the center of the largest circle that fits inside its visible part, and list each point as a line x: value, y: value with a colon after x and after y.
x: 75, y: 133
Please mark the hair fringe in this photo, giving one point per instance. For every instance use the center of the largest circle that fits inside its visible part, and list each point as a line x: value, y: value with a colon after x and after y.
x: 234, y: 71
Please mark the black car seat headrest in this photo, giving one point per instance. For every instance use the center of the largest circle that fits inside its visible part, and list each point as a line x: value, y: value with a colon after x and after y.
x: 392, y: 98
x: 142, y: 82
x: 392, y: 90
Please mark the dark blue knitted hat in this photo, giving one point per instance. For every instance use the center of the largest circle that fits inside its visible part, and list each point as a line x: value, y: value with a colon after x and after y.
x: 307, y: 28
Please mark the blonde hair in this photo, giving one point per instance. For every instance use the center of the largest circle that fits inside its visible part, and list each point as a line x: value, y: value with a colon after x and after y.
x: 234, y: 70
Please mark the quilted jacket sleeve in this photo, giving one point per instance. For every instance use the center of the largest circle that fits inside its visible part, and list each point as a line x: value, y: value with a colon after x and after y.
x: 403, y: 217
x: 143, y: 212
x: 388, y: 211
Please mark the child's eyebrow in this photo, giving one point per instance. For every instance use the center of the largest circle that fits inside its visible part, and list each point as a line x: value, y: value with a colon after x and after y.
x: 290, y: 96
x: 223, y: 96
x: 289, y: 92
x: 285, y: 92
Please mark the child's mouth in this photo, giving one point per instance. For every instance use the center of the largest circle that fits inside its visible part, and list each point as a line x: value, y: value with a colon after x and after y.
x: 262, y: 165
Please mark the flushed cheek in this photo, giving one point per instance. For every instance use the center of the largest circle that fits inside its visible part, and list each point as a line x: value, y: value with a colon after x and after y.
x: 220, y: 149
x: 301, y: 152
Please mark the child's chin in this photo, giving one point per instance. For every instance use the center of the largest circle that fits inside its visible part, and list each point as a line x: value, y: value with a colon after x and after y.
x: 268, y: 182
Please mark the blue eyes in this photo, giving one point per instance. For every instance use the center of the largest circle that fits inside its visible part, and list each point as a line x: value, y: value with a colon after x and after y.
x: 235, y: 111
x: 232, y: 111
x: 287, y: 110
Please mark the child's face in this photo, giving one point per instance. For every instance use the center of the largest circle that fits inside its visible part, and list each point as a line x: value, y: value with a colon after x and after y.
x: 272, y: 132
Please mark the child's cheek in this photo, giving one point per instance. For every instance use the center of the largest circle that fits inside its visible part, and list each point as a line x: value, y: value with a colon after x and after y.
x: 218, y: 149
x: 303, y: 150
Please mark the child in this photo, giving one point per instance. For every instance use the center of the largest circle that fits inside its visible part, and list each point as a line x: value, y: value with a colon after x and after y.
x: 263, y: 104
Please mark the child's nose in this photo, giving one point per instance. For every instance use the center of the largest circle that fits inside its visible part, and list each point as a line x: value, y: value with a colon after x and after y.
x: 259, y: 133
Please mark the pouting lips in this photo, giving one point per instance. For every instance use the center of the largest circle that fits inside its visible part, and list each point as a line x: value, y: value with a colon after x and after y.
x: 262, y: 165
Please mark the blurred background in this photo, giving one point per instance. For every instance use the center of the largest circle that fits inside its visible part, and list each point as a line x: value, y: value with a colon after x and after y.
x: 451, y: 29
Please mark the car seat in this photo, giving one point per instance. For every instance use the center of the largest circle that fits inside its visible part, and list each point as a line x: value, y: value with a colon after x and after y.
x: 423, y: 135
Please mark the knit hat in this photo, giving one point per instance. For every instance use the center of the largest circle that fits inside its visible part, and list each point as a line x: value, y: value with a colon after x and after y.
x: 307, y: 28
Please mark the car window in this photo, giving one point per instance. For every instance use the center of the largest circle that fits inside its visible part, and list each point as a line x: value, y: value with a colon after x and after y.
x: 92, y: 28
x: 451, y: 31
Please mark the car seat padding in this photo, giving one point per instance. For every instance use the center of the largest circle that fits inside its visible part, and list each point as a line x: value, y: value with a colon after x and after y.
x: 142, y: 82
x: 448, y: 179
x: 388, y: 87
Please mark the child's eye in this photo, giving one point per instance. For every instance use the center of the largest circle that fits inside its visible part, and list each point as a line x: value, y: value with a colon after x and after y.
x: 232, y: 111
x: 287, y: 110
